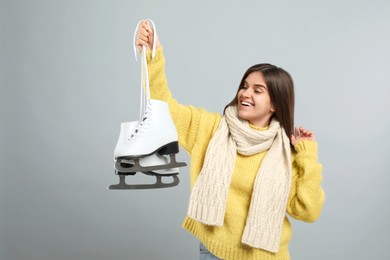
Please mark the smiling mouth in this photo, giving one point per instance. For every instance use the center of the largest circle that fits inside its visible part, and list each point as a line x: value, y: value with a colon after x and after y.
x: 246, y: 104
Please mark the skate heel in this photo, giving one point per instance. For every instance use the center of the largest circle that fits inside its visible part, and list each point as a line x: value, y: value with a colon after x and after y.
x: 170, y: 148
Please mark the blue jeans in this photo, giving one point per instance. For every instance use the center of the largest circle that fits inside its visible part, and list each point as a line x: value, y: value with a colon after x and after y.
x: 204, y: 254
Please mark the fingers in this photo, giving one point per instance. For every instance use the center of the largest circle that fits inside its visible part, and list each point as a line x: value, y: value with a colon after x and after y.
x: 293, y: 140
x: 144, y: 36
x: 297, y: 132
x: 145, y: 29
x: 305, y: 133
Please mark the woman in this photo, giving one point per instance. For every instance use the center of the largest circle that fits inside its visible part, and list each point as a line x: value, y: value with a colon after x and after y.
x: 248, y: 168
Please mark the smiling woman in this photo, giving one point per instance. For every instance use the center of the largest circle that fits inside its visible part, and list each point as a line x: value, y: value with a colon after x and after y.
x: 251, y: 154
x: 270, y: 93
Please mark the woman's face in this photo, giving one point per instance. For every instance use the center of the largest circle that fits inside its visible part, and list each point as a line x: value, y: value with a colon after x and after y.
x: 254, y: 103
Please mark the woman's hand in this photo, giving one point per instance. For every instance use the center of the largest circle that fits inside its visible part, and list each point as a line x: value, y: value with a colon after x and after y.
x: 301, y: 134
x: 145, y: 36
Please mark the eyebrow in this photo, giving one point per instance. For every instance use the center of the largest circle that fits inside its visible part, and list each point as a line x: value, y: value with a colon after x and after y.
x: 256, y: 85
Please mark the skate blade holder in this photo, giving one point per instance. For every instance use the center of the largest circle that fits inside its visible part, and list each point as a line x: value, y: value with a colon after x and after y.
x: 123, y: 169
x: 122, y: 185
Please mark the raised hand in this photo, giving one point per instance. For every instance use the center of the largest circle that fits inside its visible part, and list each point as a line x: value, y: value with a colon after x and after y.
x: 145, y: 36
x: 301, y: 134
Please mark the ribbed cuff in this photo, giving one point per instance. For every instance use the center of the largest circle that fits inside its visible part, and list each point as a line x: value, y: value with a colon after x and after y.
x: 262, y: 239
x: 157, y: 58
x: 306, y: 145
x: 206, y: 214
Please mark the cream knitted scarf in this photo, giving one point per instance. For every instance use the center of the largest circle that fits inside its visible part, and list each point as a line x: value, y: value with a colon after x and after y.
x: 271, y: 188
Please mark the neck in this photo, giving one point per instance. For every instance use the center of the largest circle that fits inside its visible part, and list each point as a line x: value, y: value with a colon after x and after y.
x: 261, y: 123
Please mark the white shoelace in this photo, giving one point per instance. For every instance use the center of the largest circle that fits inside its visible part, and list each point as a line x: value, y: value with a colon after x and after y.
x: 145, y: 108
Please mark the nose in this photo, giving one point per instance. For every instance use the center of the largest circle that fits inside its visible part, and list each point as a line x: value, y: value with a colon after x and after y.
x: 246, y: 92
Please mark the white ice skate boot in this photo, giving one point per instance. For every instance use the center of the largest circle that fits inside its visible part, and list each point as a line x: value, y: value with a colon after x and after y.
x: 155, y: 134
x: 148, y: 163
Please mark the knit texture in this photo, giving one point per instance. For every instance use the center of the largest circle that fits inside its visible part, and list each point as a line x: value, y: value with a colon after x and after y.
x: 196, y: 127
x: 272, y: 186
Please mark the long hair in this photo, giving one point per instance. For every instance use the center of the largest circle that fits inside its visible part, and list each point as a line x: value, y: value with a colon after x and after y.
x: 281, y: 91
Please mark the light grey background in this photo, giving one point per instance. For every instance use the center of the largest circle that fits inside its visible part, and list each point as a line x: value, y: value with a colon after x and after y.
x: 68, y: 79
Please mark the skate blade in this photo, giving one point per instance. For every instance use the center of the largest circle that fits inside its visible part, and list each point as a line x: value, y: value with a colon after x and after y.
x: 122, y: 185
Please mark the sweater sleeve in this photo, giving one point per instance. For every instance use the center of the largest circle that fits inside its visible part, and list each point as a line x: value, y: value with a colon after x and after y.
x: 306, y: 196
x: 188, y: 120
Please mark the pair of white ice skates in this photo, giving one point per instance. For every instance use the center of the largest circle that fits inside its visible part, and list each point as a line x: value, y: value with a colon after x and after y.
x: 150, y: 144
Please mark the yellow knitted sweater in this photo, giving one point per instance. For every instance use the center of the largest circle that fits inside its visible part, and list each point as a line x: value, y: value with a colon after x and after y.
x: 195, y: 128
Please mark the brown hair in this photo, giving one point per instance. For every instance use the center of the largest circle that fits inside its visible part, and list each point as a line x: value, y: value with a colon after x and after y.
x: 281, y: 91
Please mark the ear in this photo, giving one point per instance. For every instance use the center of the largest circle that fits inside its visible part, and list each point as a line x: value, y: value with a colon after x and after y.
x: 272, y: 109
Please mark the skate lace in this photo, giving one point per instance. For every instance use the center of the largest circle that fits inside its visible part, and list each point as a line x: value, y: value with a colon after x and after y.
x: 145, y: 106
x: 143, y: 125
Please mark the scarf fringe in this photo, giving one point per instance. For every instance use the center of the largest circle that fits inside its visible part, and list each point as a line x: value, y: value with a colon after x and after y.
x: 206, y: 214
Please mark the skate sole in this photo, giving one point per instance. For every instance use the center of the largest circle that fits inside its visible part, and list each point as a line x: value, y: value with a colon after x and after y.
x: 170, y: 148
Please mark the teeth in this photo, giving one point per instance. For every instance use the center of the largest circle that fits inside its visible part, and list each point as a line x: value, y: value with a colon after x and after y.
x: 246, y: 104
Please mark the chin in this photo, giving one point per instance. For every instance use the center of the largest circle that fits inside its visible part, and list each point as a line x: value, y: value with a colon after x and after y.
x: 243, y: 116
